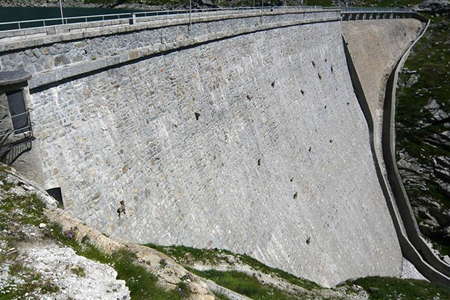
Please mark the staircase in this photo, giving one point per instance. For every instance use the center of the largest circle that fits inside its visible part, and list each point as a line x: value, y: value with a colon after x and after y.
x: 10, y: 152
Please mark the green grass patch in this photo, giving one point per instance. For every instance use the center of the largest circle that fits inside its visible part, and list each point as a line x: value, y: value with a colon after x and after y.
x: 26, y: 209
x: 385, y: 288
x: 187, y: 255
x: 221, y: 296
x: 257, y: 265
x: 244, y: 284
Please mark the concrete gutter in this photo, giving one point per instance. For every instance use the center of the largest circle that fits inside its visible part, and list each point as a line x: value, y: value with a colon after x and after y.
x: 413, y: 246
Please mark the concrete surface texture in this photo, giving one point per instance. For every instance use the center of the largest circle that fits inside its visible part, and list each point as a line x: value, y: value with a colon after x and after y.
x: 375, y: 47
x: 254, y: 143
x: 81, y: 43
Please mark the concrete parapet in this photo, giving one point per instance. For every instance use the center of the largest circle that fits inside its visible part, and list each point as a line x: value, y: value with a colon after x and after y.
x: 51, y: 77
x: 50, y: 29
x: 52, y: 52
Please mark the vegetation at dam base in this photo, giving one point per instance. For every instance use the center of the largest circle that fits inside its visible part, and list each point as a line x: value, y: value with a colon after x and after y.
x: 188, y: 255
x: 423, y: 131
x: 20, y: 212
x: 380, y: 288
x: 23, y: 225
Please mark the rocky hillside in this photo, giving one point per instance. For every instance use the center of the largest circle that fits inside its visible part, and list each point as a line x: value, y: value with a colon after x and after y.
x: 423, y: 131
x: 47, y: 254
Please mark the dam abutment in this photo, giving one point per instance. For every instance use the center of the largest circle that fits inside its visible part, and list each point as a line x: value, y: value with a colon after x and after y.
x: 425, y: 262
x: 381, y: 103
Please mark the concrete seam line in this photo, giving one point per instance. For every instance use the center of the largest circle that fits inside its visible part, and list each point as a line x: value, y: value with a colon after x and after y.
x: 56, y: 75
x: 394, y: 178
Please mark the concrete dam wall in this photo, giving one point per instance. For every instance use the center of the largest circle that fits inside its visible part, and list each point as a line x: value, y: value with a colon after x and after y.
x: 242, y: 133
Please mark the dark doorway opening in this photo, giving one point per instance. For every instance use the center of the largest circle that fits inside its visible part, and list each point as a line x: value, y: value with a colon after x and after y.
x: 57, y: 195
x: 18, y: 110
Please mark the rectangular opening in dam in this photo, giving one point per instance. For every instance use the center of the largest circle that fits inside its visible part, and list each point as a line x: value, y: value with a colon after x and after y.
x: 17, y: 109
x: 57, y: 195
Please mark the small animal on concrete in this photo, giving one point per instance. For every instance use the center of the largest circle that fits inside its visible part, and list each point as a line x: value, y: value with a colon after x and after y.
x: 121, y: 209
x: 70, y: 234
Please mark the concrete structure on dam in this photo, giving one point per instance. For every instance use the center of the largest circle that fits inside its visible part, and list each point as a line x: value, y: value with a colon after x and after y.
x: 225, y: 130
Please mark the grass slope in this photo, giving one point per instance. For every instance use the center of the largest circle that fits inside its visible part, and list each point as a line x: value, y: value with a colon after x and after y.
x: 386, y: 288
x: 188, y: 255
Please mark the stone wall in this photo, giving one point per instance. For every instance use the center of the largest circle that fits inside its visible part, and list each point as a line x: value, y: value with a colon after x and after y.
x: 253, y: 143
x: 5, y: 119
x: 41, y: 52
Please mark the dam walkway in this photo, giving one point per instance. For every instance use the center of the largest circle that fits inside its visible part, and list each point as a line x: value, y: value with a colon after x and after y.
x: 67, y: 24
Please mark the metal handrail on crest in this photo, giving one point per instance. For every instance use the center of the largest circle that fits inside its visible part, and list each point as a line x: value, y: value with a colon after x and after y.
x: 39, y: 23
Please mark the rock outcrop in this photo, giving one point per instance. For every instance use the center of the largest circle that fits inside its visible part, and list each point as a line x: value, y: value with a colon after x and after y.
x: 423, y: 133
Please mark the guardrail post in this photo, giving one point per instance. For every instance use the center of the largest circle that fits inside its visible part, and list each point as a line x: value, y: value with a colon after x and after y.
x: 190, y: 15
x: 133, y: 19
x: 262, y: 6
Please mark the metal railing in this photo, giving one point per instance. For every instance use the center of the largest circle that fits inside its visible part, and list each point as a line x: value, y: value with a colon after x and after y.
x: 61, y: 21
x: 42, y: 23
x: 21, y: 122
x: 376, y: 10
